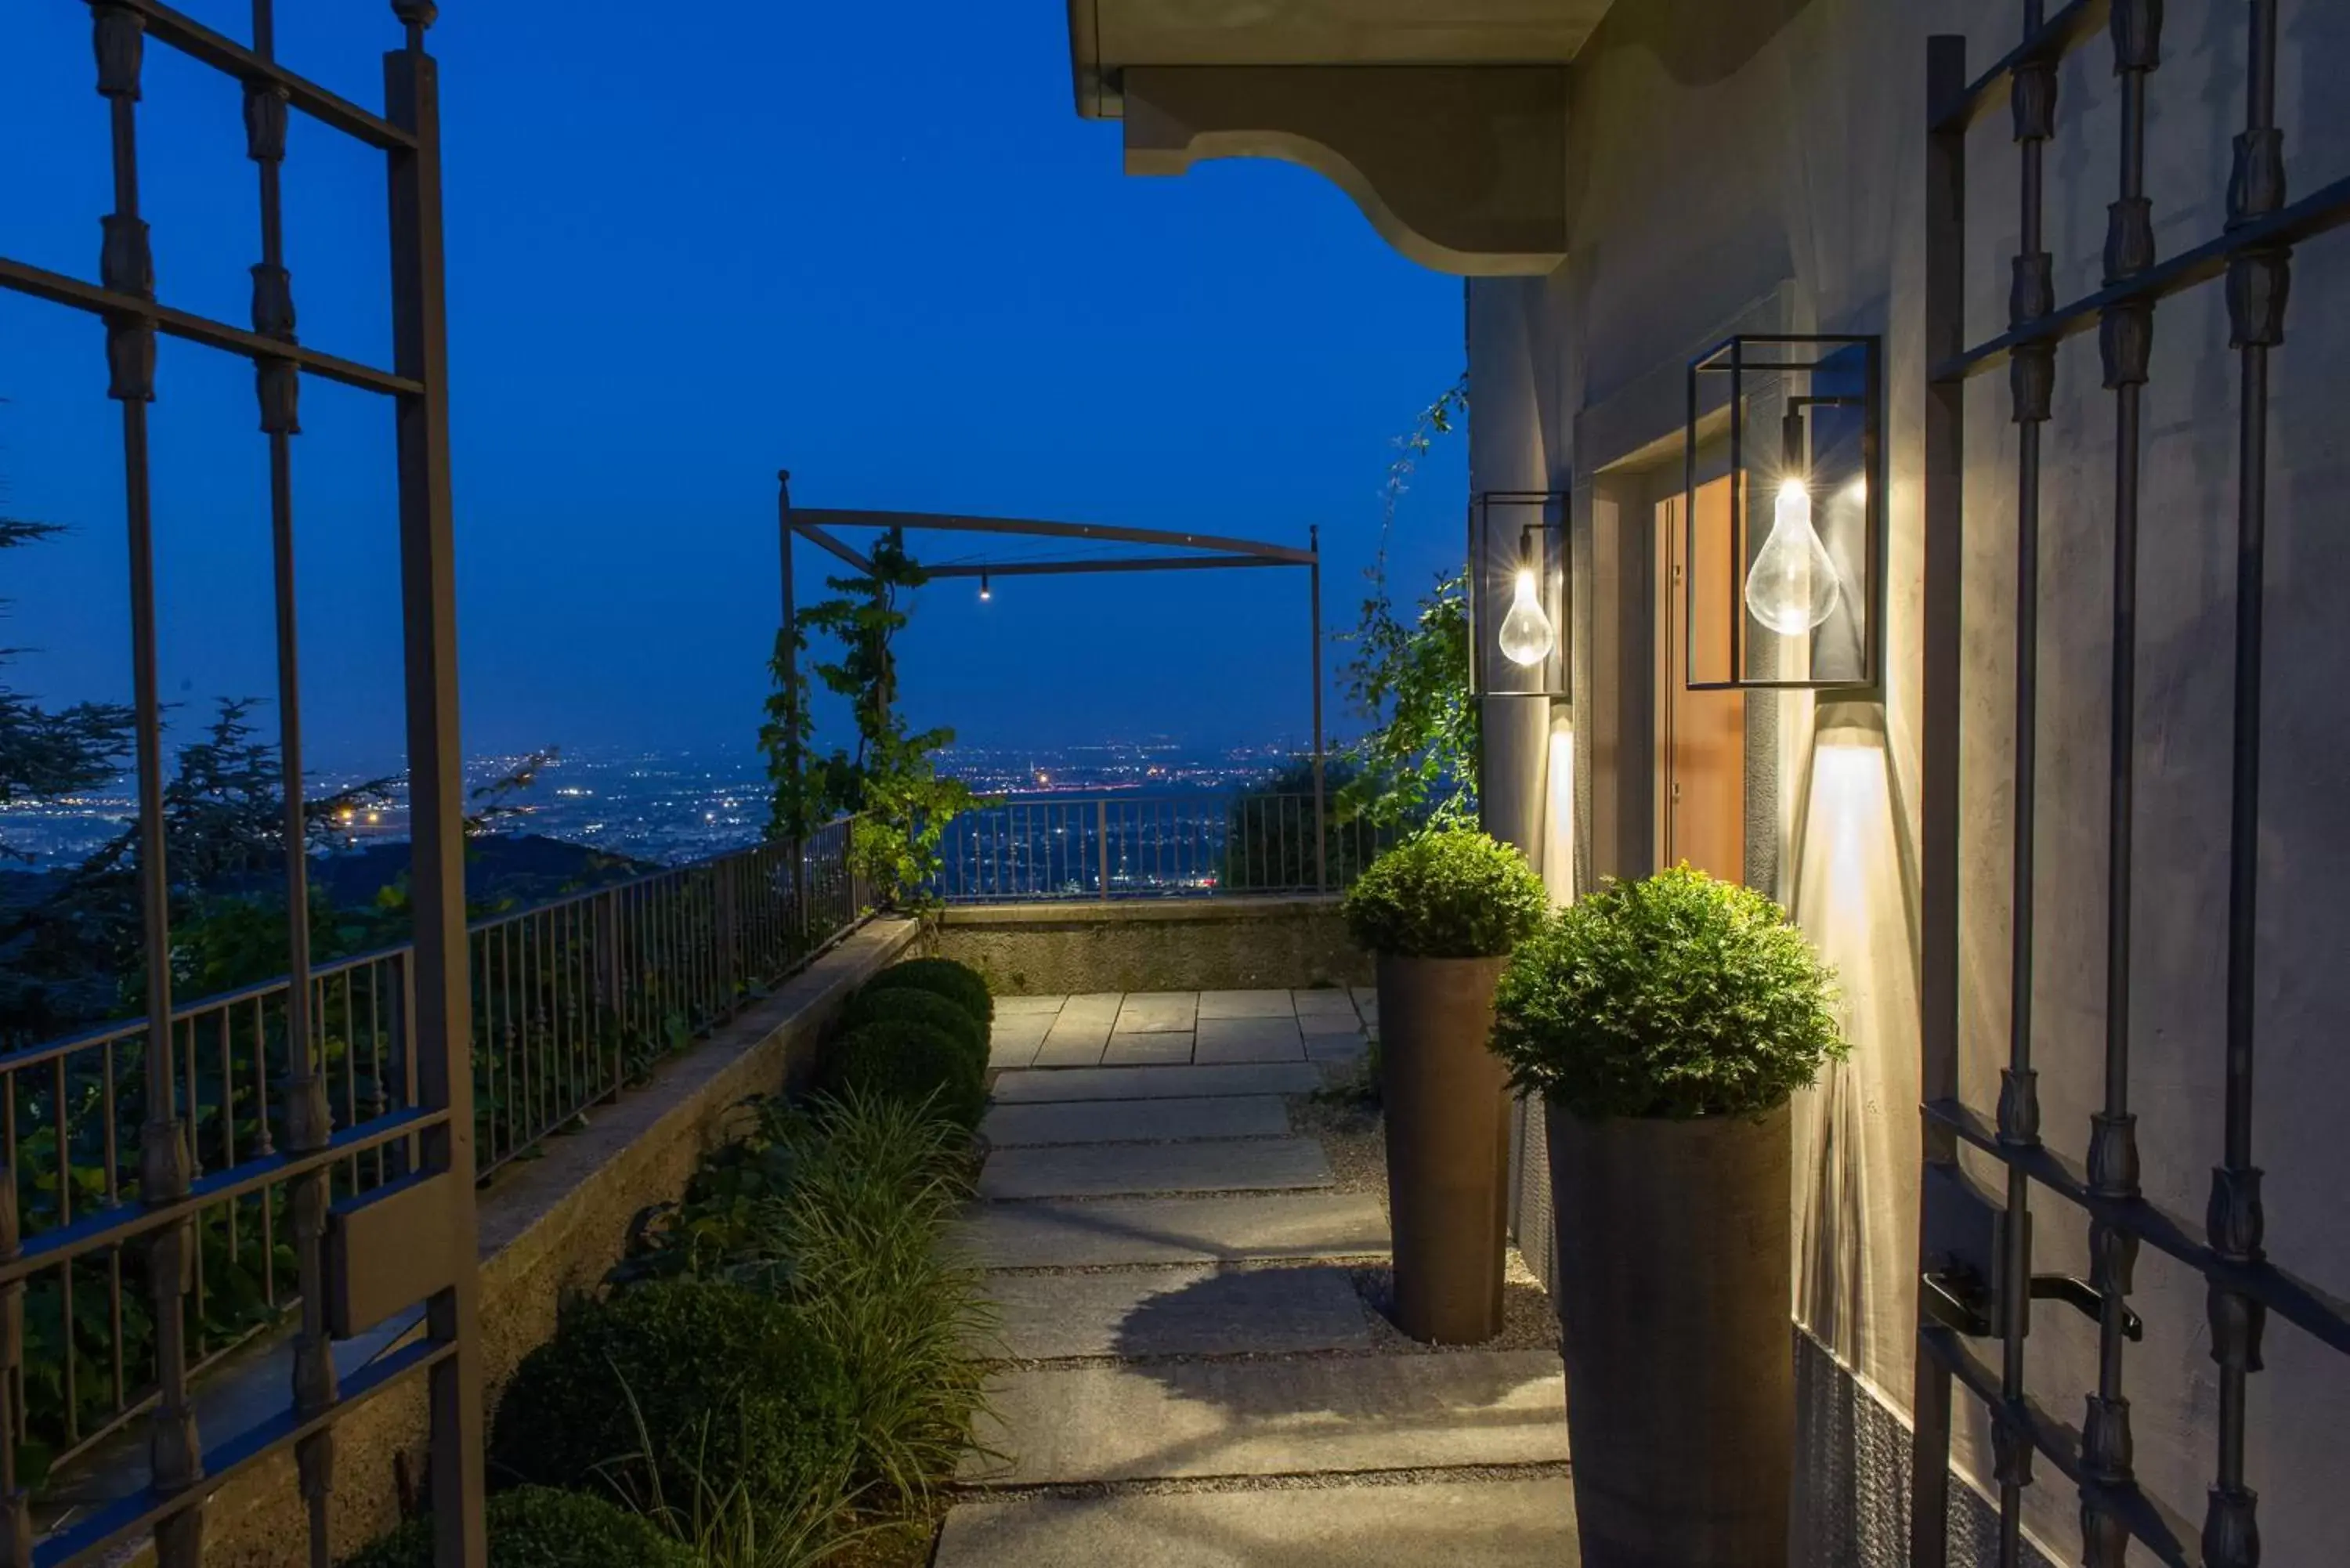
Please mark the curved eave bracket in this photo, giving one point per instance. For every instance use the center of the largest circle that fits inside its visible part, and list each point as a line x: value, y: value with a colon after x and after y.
x: 1461, y: 167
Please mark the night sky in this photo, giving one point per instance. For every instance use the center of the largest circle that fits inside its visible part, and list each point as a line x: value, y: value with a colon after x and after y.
x: 686, y: 245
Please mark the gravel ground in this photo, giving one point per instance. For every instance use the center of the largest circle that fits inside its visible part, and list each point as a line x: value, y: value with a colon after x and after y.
x: 1527, y: 1321
x: 1353, y: 1137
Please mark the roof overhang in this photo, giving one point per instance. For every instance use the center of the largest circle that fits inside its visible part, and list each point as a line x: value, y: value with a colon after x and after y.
x: 1444, y: 120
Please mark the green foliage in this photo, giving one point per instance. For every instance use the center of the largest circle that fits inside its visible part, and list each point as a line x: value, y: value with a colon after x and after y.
x: 1673, y: 998
x: 911, y: 1064
x: 223, y: 824
x: 1409, y: 674
x: 878, y: 1183
x: 930, y: 1009
x: 1269, y: 832
x: 1451, y: 892
x: 891, y: 782
x: 840, y: 1210
x: 540, y: 1527
x: 728, y: 1224
x: 664, y: 1386
x: 958, y: 982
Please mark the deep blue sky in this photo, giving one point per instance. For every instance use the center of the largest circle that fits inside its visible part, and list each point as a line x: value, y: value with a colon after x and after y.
x: 686, y: 246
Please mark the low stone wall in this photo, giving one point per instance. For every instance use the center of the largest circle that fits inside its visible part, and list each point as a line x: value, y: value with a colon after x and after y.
x: 1158, y: 944
x: 550, y: 1227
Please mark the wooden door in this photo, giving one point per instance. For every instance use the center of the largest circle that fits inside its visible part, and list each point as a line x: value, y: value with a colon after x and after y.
x: 1701, y: 738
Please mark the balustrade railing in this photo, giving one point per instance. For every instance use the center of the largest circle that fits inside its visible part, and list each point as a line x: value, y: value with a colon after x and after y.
x: 1136, y: 847
x: 572, y: 1000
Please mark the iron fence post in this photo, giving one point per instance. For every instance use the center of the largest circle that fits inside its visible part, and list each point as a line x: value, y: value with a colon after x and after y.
x: 1321, y: 825
x: 1101, y: 842
x: 436, y: 781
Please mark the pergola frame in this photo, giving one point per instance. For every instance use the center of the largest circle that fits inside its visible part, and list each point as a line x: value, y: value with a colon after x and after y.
x: 1205, y: 551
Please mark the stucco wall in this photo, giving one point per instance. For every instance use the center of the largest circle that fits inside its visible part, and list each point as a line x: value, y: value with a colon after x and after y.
x: 1757, y: 167
x: 1187, y: 944
x: 549, y: 1228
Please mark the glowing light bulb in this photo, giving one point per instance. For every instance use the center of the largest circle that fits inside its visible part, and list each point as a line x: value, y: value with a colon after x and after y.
x: 1525, y: 630
x: 1793, y: 586
x: 984, y: 591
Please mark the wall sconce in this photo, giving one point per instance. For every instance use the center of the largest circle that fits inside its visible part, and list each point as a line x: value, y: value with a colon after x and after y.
x: 1532, y: 636
x: 1805, y: 547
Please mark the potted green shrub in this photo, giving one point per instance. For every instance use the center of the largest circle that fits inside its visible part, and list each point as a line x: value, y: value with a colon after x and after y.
x: 1665, y: 1023
x: 1441, y: 912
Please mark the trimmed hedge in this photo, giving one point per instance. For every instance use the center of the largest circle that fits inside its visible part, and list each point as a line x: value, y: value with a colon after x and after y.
x: 730, y: 1384
x: 1674, y: 997
x: 958, y: 982
x: 917, y: 1006
x: 899, y: 1059
x: 1446, y: 893
x: 541, y: 1527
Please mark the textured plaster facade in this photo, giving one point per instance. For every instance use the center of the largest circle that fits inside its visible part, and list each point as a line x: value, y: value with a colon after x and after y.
x: 1757, y: 168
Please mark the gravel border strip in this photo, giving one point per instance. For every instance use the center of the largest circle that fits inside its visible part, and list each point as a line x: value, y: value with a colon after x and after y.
x: 1315, y: 1480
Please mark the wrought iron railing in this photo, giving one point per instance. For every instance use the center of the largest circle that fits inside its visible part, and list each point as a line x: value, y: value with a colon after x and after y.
x: 572, y: 1001
x: 1143, y: 847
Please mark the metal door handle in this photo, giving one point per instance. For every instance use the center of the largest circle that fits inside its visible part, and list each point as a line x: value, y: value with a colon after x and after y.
x: 1959, y: 1301
x: 2085, y: 1297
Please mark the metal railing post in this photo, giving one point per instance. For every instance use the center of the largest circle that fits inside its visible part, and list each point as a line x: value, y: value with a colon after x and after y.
x: 1321, y: 824
x: 1101, y: 832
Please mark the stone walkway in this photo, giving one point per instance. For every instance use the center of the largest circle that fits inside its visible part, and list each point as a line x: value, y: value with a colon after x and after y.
x: 1187, y: 1247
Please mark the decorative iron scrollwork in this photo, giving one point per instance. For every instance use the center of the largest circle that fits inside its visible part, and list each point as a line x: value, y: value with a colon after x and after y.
x: 264, y: 123
x: 119, y: 35
x: 2019, y: 1106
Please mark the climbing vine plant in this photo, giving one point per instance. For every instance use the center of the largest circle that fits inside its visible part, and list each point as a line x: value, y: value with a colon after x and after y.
x: 891, y: 780
x: 1409, y: 676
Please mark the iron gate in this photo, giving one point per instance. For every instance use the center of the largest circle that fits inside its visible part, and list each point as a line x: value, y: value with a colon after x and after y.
x: 364, y: 1255
x: 1991, y: 1298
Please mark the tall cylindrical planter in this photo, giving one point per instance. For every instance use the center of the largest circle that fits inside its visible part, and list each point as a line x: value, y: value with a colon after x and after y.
x: 1673, y: 1259
x: 1447, y: 1109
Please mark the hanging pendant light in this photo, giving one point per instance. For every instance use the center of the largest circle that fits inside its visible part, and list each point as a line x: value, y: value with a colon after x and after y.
x: 1526, y: 633
x: 1793, y: 586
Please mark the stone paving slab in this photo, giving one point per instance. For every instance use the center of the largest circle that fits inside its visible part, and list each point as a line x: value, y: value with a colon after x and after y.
x: 1135, y: 1121
x: 1158, y: 1082
x: 1143, y: 1011
x: 1012, y: 1041
x: 1114, y: 1169
x: 1155, y: 1048
x: 1246, y: 1005
x: 1122, y: 1230
x: 1366, y: 1000
x: 1074, y: 1048
x: 1093, y: 1006
x: 1326, y: 1000
x: 1028, y: 1006
x: 1337, y: 1047
x: 1318, y: 1415
x: 1180, y: 1312
x: 1222, y: 1040
x: 1474, y: 1524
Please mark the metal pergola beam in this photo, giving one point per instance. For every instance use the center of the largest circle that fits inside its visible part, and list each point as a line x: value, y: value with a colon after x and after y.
x: 1212, y: 551
x: 825, y: 541
x: 805, y: 518
x: 1131, y: 564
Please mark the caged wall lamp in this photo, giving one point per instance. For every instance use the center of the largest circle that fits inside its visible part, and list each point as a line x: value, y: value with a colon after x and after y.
x: 1529, y: 637
x: 1809, y: 566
